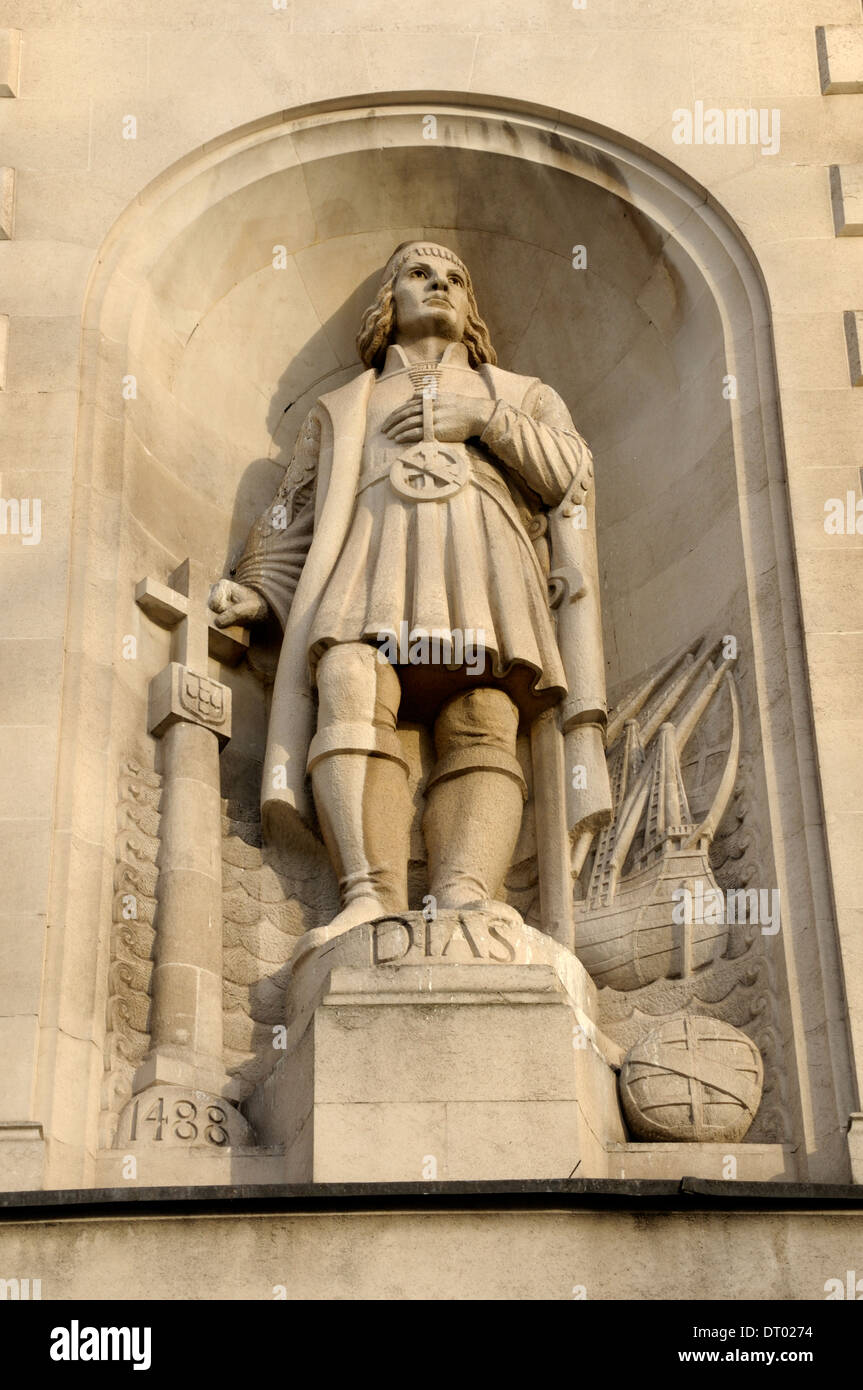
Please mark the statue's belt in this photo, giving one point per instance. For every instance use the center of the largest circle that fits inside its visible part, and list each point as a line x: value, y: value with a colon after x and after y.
x: 451, y: 470
x: 433, y: 472
x: 467, y: 467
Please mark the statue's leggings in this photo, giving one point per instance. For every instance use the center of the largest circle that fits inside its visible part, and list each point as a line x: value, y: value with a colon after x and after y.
x: 474, y: 796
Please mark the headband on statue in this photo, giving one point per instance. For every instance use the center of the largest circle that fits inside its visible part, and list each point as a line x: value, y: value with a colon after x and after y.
x: 407, y: 249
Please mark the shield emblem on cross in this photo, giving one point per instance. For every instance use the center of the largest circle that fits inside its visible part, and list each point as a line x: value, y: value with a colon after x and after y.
x: 203, y: 698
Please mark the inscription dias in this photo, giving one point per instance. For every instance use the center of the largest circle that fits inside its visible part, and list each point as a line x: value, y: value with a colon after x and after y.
x: 448, y: 937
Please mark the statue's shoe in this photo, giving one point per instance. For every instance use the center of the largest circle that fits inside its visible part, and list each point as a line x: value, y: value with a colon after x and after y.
x: 354, y: 915
x: 371, y: 910
x: 489, y: 906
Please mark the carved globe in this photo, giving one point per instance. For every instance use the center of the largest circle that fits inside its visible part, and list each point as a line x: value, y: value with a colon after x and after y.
x: 692, y: 1079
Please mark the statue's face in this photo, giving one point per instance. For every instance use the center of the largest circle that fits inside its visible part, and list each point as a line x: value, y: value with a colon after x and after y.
x: 431, y: 299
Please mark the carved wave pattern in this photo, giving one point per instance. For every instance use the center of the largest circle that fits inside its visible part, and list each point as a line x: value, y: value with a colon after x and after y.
x: 132, y: 937
x: 269, y: 899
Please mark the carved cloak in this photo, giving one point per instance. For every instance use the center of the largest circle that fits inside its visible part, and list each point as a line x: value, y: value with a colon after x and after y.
x: 286, y: 796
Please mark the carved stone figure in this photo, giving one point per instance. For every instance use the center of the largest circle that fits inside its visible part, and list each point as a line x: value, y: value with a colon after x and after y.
x: 433, y: 511
x: 431, y: 558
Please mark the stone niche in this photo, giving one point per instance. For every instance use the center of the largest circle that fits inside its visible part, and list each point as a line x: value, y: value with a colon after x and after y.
x: 227, y: 299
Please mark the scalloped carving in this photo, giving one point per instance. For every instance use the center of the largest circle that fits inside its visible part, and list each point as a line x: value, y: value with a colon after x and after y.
x: 132, y: 937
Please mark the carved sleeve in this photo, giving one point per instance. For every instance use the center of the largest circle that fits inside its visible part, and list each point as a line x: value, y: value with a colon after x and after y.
x: 279, y: 540
x: 541, y: 445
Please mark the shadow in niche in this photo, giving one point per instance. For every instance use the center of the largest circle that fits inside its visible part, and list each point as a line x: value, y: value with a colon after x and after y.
x: 612, y: 340
x: 599, y: 335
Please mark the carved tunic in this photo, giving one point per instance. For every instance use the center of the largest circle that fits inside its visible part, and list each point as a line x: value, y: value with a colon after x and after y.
x: 438, y: 538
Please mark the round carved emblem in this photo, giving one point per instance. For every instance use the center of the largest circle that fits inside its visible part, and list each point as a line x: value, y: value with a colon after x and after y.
x: 429, y: 472
x: 692, y: 1079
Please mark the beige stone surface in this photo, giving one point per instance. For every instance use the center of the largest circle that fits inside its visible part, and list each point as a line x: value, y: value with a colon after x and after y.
x: 840, y: 58
x: 846, y: 189
x: 10, y: 62
x: 7, y: 204
x: 29, y: 755
x: 19, y: 1037
x: 712, y: 1162
x: 513, y: 1256
x: 640, y: 345
x: 24, y: 860
x: 449, y: 1067
x: 854, y: 341
x: 187, y: 1167
x: 42, y: 353
x: 83, y: 63
x: 22, y: 1156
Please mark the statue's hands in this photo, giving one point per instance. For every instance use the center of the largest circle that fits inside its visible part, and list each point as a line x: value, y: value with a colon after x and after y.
x: 456, y: 418
x: 236, y: 603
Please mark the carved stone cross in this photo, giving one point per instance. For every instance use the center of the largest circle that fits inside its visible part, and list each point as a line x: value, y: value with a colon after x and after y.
x: 184, y: 690
x: 184, y: 1073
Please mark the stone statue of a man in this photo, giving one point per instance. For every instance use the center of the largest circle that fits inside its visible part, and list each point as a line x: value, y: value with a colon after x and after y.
x: 407, y: 558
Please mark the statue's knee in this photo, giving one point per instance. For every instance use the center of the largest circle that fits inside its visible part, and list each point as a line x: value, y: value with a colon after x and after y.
x: 358, y: 700
x: 388, y: 694
x: 350, y: 679
x: 483, y: 715
x: 476, y: 731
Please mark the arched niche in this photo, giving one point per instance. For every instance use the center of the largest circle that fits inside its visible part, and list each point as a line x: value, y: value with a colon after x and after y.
x: 227, y: 298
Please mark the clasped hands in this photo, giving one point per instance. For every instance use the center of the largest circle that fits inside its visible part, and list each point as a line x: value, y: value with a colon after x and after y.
x: 456, y: 418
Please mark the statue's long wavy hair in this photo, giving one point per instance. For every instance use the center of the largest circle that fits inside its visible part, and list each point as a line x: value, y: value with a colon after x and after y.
x: 378, y: 326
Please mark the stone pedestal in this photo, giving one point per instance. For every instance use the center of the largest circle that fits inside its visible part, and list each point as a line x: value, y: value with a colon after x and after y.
x: 462, y: 1048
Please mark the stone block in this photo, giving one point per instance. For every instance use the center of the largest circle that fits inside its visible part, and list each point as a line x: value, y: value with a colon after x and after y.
x: 47, y: 135
x: 810, y: 354
x: 10, y: 62
x: 45, y: 277
x: 712, y: 1162
x: 84, y: 61
x: 43, y: 353
x: 459, y: 1251
x: 7, y: 204
x: 831, y: 282
x: 180, y: 694
x: 775, y: 62
x: 187, y: 1167
x: 549, y: 1138
x: 394, y: 1141
x: 22, y: 945
x: 25, y: 859
x: 19, y: 1041
x: 855, y: 1146
x: 846, y: 193
x: 178, y: 1117
x: 840, y: 58
x: 72, y: 201
x: 854, y: 340
x: 22, y: 1156
x: 48, y: 436
x: 29, y: 756
x: 459, y: 1048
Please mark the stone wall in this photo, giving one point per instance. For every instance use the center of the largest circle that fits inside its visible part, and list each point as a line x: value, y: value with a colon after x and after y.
x: 520, y: 1245
x: 121, y: 258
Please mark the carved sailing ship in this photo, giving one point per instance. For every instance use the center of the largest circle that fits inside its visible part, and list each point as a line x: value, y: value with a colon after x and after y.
x: 627, y: 928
